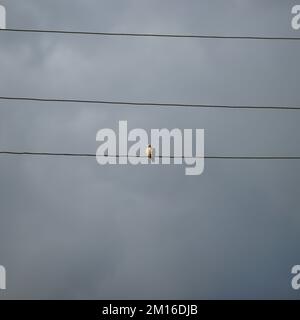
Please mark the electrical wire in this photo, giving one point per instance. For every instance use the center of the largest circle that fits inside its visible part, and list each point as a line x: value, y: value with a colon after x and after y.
x: 58, y: 154
x: 149, y: 104
x: 156, y: 35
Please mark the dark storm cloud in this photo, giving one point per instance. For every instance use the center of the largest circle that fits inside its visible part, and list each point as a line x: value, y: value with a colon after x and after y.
x: 73, y: 229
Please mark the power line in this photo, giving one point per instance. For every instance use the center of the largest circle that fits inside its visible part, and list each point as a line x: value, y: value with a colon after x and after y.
x: 58, y: 154
x: 148, y: 104
x: 156, y: 35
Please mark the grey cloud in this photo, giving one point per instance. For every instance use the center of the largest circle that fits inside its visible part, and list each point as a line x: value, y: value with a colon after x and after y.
x: 74, y: 229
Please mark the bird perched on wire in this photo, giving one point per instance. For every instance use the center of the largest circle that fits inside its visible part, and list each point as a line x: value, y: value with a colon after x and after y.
x: 149, y: 151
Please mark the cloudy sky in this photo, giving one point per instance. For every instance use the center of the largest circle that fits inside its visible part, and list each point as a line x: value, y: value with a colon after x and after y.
x: 72, y: 229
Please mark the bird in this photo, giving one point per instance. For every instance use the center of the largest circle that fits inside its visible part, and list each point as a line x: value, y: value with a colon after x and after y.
x: 149, y: 151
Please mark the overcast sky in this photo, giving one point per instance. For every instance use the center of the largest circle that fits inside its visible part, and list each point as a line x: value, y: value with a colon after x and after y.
x: 70, y: 228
